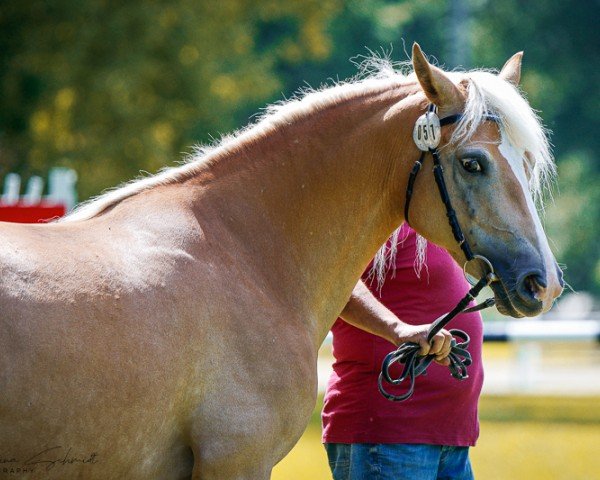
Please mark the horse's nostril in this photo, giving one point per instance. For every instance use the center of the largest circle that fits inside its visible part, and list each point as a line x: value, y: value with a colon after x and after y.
x: 534, y: 285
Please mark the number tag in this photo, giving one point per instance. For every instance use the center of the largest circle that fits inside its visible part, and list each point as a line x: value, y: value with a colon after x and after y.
x: 427, y: 131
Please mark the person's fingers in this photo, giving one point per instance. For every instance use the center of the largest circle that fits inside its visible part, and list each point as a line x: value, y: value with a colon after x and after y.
x: 437, y: 344
x: 425, y: 346
x: 446, y: 346
x: 440, y: 346
x: 445, y: 361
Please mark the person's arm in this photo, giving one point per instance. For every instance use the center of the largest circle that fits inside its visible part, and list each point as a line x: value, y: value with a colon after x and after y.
x: 364, y: 311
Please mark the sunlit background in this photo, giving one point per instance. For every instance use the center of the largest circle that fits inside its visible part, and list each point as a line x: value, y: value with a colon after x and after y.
x: 94, y: 92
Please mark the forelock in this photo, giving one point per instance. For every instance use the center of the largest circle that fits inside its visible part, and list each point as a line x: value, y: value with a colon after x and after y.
x: 488, y: 93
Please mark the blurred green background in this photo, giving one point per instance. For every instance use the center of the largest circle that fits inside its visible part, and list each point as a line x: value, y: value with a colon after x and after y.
x: 111, y: 88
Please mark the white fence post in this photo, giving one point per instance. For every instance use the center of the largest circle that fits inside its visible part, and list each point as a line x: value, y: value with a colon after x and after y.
x: 61, y: 187
x: 12, y: 189
x: 33, y: 192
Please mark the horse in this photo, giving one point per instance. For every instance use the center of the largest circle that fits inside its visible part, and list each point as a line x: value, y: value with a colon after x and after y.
x: 169, y: 328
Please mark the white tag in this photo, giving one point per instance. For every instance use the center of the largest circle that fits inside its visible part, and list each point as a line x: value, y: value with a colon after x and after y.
x: 427, y: 131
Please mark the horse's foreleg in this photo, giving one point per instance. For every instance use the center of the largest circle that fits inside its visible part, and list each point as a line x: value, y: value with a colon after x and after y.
x: 248, y: 421
x: 200, y: 473
x: 235, y: 441
x: 235, y: 460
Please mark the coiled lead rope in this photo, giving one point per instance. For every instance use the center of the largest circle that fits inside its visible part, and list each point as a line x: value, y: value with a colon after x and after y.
x: 415, y: 364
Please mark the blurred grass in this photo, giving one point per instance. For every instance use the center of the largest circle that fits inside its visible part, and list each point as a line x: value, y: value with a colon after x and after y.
x: 528, y: 437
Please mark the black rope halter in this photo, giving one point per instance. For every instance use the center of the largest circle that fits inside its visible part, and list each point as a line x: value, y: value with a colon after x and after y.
x: 408, y: 353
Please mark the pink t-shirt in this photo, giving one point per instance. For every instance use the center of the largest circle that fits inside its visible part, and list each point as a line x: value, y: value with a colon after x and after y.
x: 442, y: 410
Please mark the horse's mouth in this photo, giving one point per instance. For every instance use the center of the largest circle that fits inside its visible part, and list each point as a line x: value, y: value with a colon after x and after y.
x: 509, y: 303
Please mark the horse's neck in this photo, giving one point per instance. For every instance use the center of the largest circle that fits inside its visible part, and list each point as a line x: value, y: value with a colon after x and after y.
x: 314, y: 200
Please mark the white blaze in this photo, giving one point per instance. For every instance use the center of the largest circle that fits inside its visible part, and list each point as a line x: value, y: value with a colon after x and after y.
x: 515, y: 158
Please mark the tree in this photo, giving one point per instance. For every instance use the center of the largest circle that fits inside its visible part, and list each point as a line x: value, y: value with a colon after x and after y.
x: 111, y: 88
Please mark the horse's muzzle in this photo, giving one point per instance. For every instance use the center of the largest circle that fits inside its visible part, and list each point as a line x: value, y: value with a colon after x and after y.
x: 532, y: 293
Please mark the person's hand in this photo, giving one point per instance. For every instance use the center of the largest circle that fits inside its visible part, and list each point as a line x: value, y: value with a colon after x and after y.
x: 439, y: 346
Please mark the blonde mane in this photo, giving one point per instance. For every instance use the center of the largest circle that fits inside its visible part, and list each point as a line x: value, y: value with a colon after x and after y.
x: 305, y: 102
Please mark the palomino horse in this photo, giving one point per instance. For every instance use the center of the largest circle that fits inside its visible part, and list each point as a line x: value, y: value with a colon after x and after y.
x: 169, y: 329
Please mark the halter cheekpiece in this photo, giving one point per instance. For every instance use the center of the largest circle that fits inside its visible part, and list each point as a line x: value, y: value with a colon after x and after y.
x: 427, y: 137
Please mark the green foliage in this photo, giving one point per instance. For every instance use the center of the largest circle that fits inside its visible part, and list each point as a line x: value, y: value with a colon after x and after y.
x: 573, y: 219
x: 560, y: 40
x: 111, y: 88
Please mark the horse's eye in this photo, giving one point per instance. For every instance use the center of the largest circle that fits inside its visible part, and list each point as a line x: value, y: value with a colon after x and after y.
x: 471, y: 165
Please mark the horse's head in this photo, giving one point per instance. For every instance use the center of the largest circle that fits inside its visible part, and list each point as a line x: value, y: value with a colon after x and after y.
x: 495, y: 159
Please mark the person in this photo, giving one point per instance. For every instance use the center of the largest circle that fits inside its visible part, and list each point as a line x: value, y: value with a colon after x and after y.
x: 427, y: 436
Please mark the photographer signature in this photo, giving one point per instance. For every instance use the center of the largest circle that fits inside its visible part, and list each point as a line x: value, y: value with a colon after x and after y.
x: 50, y: 458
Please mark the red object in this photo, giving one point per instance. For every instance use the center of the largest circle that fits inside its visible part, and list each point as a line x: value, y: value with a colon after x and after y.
x: 442, y: 410
x: 40, y: 213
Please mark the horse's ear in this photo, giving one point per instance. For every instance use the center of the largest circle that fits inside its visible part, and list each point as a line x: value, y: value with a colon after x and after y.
x: 511, y: 71
x: 438, y: 88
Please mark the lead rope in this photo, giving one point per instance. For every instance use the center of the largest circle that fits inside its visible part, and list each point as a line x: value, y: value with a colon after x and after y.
x: 408, y: 353
x: 415, y: 364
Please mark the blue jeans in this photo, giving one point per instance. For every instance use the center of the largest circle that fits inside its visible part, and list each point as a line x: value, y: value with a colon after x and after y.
x: 366, y: 461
